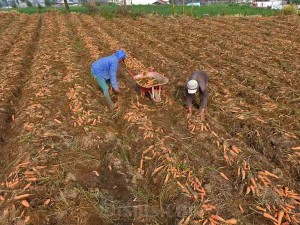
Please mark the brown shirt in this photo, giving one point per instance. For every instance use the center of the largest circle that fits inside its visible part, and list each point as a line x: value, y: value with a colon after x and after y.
x: 202, y: 79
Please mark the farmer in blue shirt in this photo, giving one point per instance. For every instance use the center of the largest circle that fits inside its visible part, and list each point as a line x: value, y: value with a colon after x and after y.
x: 105, y: 70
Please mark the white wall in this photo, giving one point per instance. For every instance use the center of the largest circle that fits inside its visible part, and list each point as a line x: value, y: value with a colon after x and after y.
x: 140, y: 2
x: 267, y: 4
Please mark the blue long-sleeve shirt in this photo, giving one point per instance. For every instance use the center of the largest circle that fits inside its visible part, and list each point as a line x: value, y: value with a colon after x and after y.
x: 107, y: 67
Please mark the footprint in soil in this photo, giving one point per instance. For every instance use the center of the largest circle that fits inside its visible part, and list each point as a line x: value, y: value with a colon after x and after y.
x: 114, y: 183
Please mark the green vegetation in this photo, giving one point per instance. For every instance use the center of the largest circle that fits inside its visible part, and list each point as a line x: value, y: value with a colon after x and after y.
x: 211, y: 10
x: 290, y: 10
x: 112, y: 10
x: 29, y: 4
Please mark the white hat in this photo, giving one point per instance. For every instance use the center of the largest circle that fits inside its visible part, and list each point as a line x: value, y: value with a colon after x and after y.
x: 192, y: 86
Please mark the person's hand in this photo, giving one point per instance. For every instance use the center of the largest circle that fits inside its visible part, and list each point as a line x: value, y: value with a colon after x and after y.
x: 117, y: 90
x: 202, y: 114
x: 112, y: 106
x: 151, y: 69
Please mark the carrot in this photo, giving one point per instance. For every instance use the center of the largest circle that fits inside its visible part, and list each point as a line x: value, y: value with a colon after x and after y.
x: 241, y: 209
x: 23, y: 164
x: 271, y: 174
x: 268, y: 216
x: 289, y: 206
x: 243, y: 174
x: 47, y: 201
x: 235, y: 149
x: 167, y: 178
x: 25, y: 203
x: 260, y: 208
x: 12, y: 184
x: 224, y: 176
x: 295, y: 219
x: 218, y: 218
x: 5, y: 212
x: 21, y: 196
x: 288, y: 218
x: 233, y: 153
x: 212, y: 221
x: 180, y: 185
x: 41, y: 167
x: 141, y: 164
x: 239, y: 171
x: 231, y: 221
x: 31, y: 179
x: 156, y: 170
x: 248, y: 190
x: 268, y: 207
x: 57, y: 121
x: 252, y: 189
x: 27, y: 219
x: 261, y: 178
x: 187, y: 220
x: 295, y: 197
x: 214, y: 133
x: 226, y: 158
x: 280, y: 216
x: 22, y: 213
x: 27, y: 186
x: 96, y: 173
x: 253, y: 182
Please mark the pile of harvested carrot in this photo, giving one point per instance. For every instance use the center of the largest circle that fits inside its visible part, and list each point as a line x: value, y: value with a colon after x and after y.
x: 19, y: 181
x: 284, y: 213
x: 82, y: 118
x: 189, y: 185
x: 137, y: 115
x: 287, y: 212
x: 294, y: 156
x: 148, y: 81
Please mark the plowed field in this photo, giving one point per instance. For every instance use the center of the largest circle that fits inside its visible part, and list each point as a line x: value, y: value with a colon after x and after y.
x: 67, y: 159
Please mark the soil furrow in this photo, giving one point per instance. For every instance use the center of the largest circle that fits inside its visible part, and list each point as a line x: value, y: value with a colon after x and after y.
x: 16, y: 71
x: 233, y: 120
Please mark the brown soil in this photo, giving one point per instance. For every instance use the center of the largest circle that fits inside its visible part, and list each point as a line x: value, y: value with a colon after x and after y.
x: 145, y: 162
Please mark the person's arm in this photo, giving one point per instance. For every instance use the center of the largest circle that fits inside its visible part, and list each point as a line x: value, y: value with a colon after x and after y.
x: 203, y: 103
x: 204, y: 99
x: 189, y: 100
x: 113, y: 75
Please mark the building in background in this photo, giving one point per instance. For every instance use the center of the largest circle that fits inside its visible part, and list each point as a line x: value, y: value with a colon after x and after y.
x: 139, y: 2
x: 21, y: 3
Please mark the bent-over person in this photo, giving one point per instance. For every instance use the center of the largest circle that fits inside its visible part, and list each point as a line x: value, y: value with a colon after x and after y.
x: 197, y: 82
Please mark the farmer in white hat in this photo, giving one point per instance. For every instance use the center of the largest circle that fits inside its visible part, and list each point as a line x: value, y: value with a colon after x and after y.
x: 197, y: 83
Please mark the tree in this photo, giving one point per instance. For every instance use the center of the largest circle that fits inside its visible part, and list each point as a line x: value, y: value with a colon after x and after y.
x: 29, y: 4
x: 296, y: 2
x: 67, y: 6
x: 192, y: 10
x: 173, y: 6
x: 14, y: 4
x: 48, y: 2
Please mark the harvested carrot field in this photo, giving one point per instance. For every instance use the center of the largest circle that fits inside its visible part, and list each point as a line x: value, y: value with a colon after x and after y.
x: 67, y: 159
